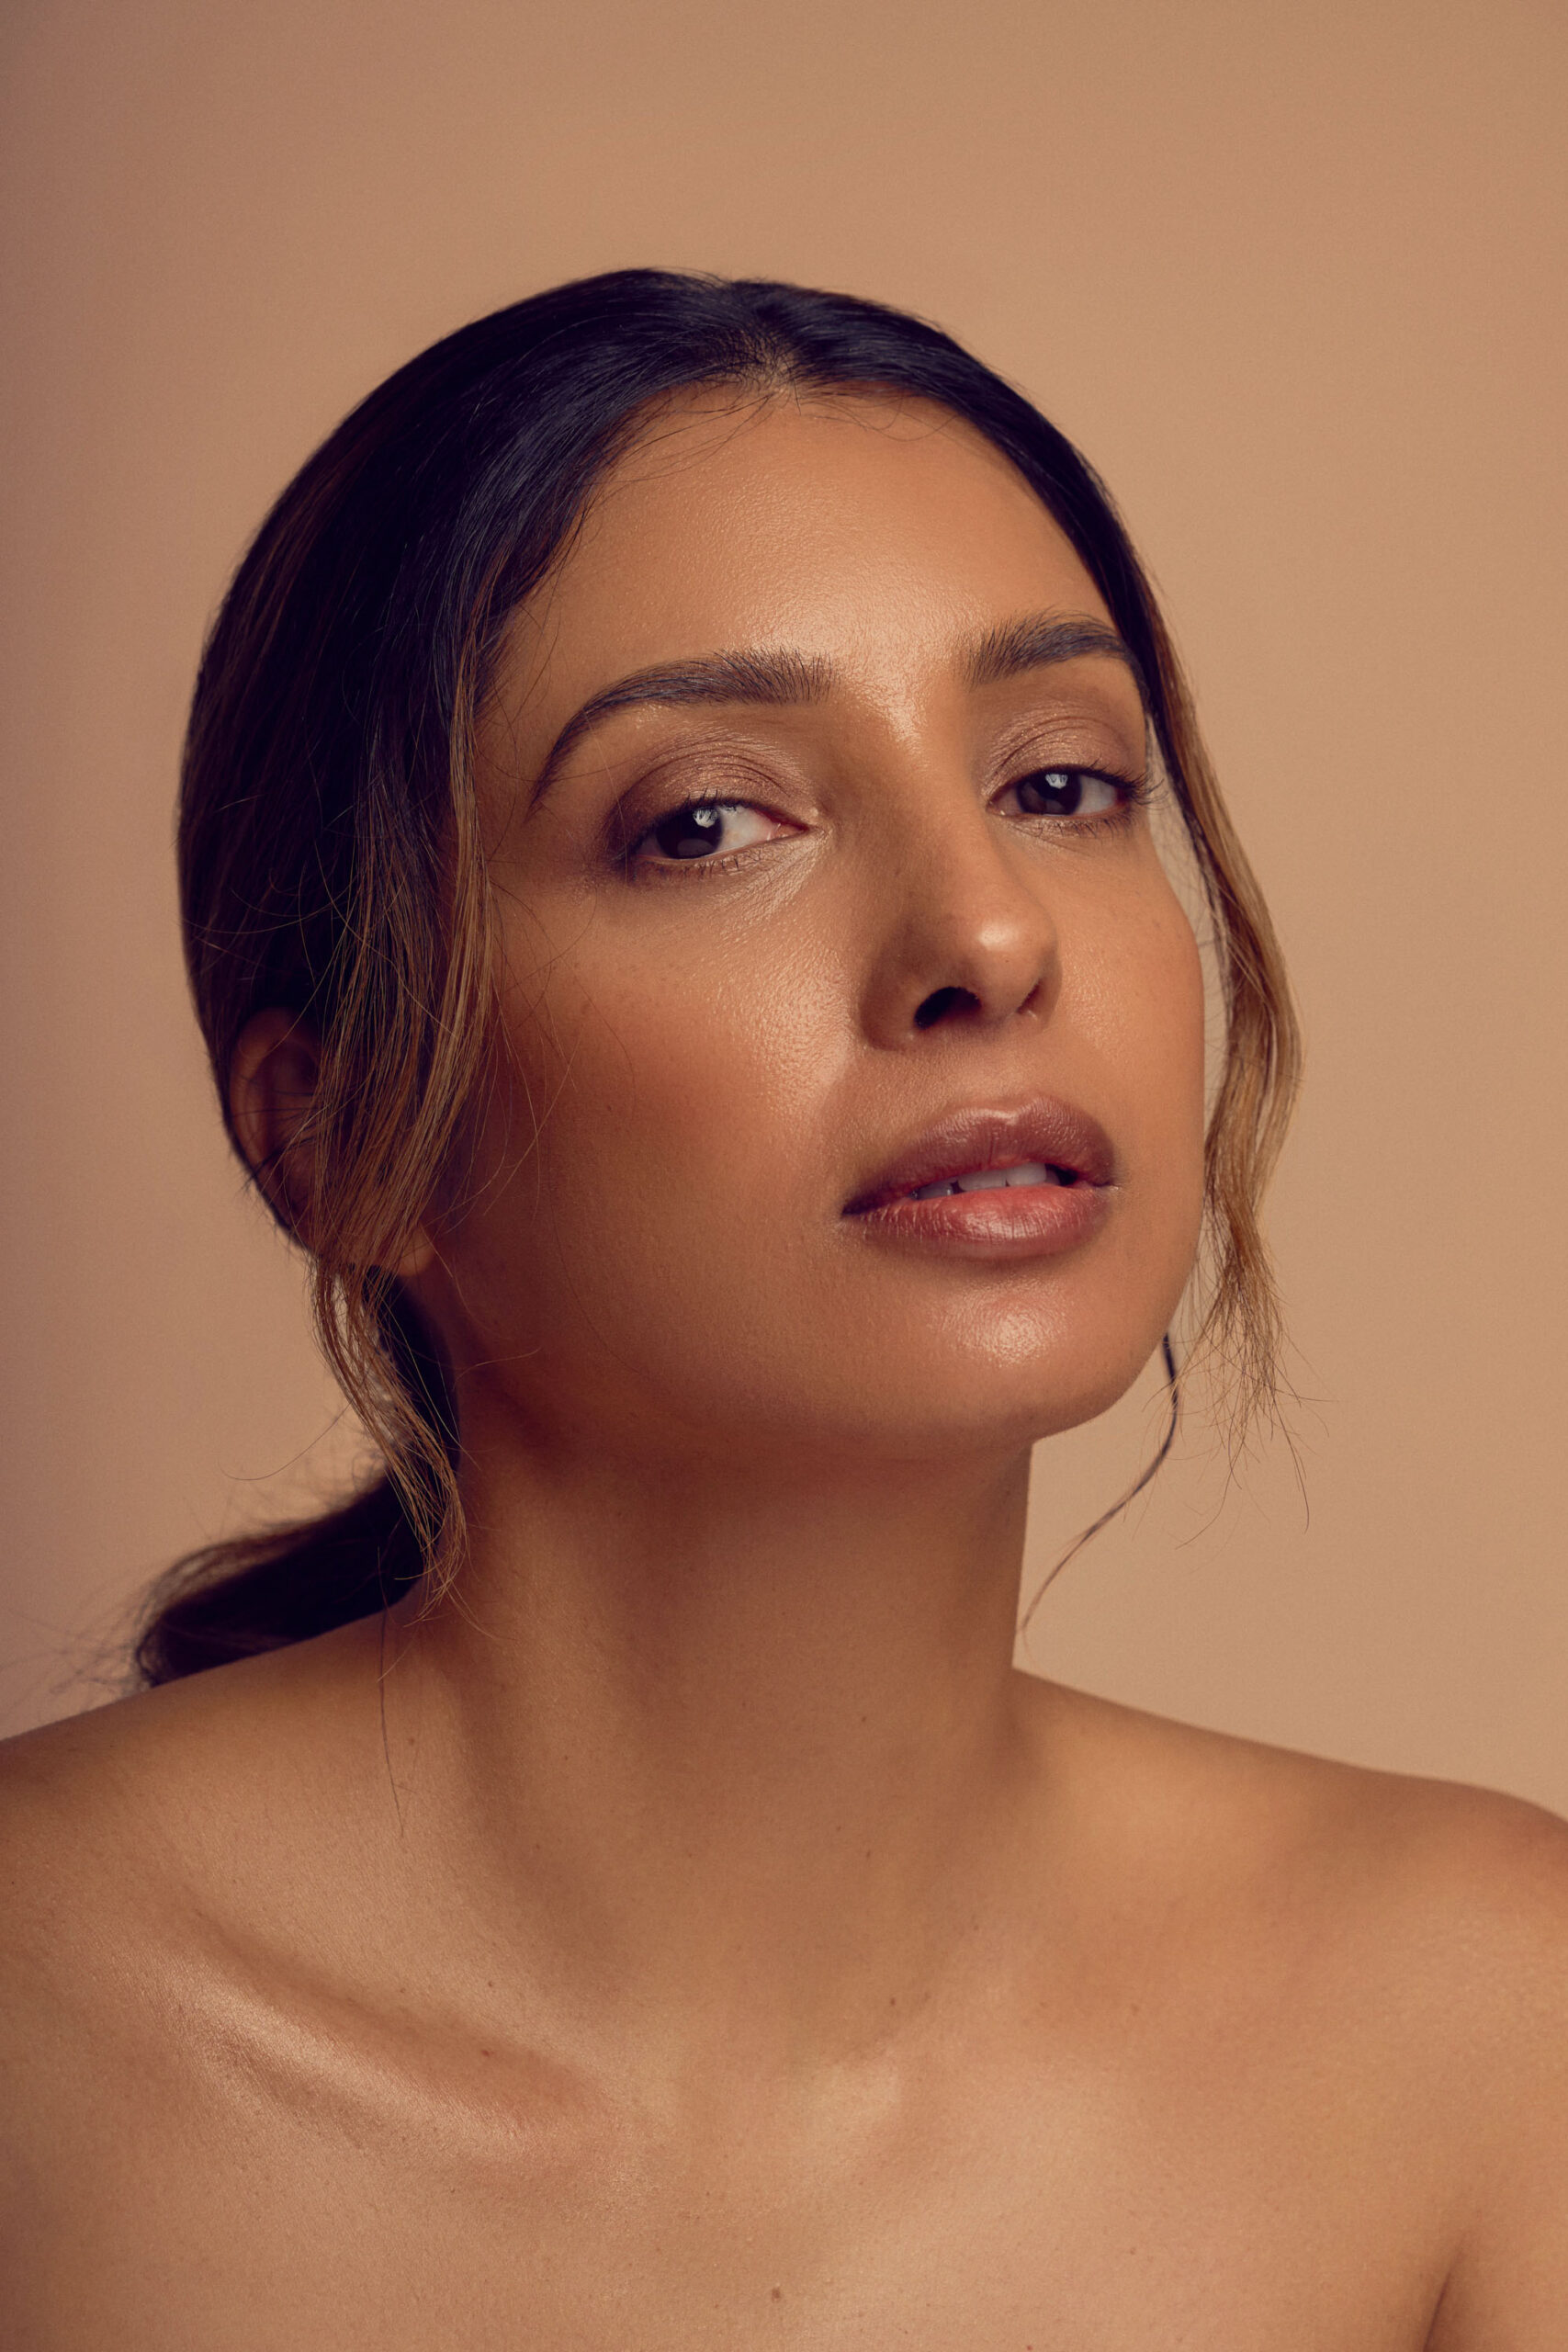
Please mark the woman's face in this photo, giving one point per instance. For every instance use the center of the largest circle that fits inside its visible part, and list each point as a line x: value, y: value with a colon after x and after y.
x: 811, y: 782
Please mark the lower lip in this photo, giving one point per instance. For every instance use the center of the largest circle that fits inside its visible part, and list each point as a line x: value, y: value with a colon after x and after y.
x: 1002, y: 1221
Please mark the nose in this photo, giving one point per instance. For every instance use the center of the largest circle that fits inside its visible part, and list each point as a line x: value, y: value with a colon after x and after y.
x: 966, y: 940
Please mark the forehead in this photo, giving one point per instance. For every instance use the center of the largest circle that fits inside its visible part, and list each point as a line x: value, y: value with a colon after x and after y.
x: 876, y: 533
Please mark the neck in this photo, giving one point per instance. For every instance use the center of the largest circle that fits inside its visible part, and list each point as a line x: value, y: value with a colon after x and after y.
x: 736, y: 1747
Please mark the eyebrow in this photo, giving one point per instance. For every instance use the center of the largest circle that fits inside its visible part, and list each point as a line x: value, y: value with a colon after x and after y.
x: 756, y: 677
x: 1036, y: 641
x: 1040, y: 641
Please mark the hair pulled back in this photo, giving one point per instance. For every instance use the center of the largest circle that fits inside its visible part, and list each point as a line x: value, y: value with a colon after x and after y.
x: 330, y: 861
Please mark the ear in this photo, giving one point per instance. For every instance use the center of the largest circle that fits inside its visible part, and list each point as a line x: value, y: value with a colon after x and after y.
x: 273, y: 1081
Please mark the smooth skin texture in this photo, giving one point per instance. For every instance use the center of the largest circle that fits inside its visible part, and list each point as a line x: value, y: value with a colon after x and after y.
x: 695, y: 1933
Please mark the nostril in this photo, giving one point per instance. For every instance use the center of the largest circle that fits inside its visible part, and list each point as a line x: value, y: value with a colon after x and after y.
x: 943, y: 1001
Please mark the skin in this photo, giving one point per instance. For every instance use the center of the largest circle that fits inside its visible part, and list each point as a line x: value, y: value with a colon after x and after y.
x: 695, y: 1933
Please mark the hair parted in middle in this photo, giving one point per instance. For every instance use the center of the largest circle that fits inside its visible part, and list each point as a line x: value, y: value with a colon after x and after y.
x: 331, y: 857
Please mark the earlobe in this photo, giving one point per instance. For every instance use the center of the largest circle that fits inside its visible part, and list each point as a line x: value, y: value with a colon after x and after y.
x: 272, y: 1089
x: 417, y: 1258
x: 273, y: 1083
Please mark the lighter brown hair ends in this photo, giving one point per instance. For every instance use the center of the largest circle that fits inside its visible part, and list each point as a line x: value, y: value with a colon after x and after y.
x: 332, y: 862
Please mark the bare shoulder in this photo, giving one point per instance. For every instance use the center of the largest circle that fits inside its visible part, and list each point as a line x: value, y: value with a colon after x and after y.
x: 182, y: 1903
x: 101, y: 1824
x: 117, y: 1824
x: 173, y: 1867
x: 79, y: 1784
x: 1436, y: 1911
x: 1356, y: 1836
x: 1407, y: 1938
x: 103, y: 1889
x: 1443, y: 1911
x: 80, y: 1811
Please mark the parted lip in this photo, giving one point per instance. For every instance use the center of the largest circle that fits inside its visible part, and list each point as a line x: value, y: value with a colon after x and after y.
x: 963, y: 1141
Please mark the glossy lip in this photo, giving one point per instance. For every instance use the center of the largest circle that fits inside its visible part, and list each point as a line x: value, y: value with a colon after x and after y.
x: 963, y: 1141
x: 1013, y: 1221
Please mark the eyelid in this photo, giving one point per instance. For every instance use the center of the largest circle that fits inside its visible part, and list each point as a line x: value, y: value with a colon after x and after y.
x: 705, y: 740
x: 1054, y: 736
x: 668, y: 785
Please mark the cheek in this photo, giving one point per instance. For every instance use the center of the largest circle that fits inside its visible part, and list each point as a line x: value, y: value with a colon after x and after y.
x: 1148, y: 1014
x: 680, y: 1095
x: 674, y: 1232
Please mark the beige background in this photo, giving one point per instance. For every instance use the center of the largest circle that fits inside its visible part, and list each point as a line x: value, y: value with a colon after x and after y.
x: 1293, y: 276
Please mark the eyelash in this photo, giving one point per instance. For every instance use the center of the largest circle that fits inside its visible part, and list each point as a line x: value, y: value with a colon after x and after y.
x: 627, y: 857
x: 1132, y: 794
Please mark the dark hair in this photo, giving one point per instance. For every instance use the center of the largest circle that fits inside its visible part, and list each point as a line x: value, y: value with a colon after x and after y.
x: 330, y: 861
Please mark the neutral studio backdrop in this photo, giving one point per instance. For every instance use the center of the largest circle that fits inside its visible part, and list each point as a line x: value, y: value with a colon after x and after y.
x: 1291, y: 277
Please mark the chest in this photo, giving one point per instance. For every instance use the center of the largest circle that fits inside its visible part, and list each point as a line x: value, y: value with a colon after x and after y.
x: 1080, y: 2207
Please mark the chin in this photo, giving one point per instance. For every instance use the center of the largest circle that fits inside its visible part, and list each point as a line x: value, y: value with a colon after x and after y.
x: 939, y: 1409
x: 1005, y: 1373
x: 1019, y: 1413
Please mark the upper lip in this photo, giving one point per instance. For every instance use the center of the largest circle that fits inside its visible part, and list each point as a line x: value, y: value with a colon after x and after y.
x: 962, y: 1141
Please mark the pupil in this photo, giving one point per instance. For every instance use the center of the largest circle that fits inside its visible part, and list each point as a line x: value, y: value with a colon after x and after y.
x: 690, y: 832
x: 1054, y: 793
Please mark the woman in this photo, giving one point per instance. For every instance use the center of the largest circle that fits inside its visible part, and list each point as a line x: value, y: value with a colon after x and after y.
x: 671, y: 899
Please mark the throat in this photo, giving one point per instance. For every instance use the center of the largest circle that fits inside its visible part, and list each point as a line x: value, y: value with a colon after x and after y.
x: 750, y: 1765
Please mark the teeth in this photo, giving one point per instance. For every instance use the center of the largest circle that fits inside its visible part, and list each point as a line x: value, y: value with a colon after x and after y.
x: 989, y: 1180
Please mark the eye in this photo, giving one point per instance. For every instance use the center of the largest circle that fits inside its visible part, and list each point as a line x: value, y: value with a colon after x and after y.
x: 1067, y: 792
x: 706, y: 829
